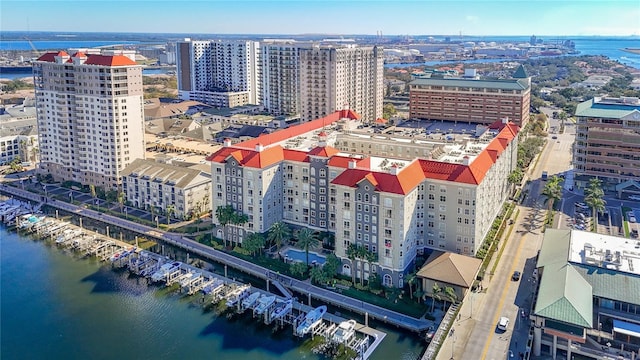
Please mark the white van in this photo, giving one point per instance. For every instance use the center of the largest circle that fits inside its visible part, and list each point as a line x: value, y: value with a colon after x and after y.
x: 503, y: 323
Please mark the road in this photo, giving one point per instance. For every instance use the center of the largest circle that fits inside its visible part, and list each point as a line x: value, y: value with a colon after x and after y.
x: 304, y: 287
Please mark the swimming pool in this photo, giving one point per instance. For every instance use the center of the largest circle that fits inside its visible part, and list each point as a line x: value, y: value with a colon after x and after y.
x: 299, y: 255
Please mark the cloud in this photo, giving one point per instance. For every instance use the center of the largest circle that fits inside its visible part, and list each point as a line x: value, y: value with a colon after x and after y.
x: 472, y: 19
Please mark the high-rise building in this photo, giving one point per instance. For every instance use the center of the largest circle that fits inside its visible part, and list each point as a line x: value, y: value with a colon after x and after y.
x: 332, y: 76
x: 209, y: 70
x: 608, y: 143
x: 482, y: 101
x: 280, y: 77
x: 90, y: 116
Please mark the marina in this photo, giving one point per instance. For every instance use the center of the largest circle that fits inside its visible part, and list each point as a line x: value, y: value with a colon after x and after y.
x: 265, y: 307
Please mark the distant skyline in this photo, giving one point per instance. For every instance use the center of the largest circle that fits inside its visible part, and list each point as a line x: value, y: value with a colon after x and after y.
x: 416, y: 17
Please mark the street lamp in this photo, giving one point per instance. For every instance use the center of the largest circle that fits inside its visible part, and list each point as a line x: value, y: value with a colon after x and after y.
x: 126, y: 213
x: 71, y: 196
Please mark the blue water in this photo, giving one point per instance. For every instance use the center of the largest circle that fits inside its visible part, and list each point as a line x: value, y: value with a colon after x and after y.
x: 58, y: 44
x: 300, y: 255
x: 54, y: 305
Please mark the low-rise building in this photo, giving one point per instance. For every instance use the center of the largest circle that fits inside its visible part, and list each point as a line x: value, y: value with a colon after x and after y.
x: 183, y: 192
x: 18, y: 133
x: 588, y: 301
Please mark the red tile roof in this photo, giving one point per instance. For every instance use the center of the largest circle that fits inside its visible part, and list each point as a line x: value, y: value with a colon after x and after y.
x: 51, y: 56
x: 281, y: 135
x: 324, y: 151
x: 406, y: 180
x: 111, y: 60
x: 115, y: 60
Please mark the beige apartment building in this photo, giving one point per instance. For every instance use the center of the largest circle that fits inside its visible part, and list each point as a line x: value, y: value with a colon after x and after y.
x: 395, y: 207
x: 472, y: 100
x: 150, y: 184
x: 334, y: 76
x: 90, y: 116
x: 608, y: 143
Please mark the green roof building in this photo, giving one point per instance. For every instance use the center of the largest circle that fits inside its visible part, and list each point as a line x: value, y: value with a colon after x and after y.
x: 471, y: 100
x: 608, y: 144
x: 589, y: 286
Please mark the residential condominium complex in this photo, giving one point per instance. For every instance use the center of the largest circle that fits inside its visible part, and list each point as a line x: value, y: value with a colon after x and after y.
x: 90, y: 116
x: 588, y: 296
x: 148, y: 184
x: 334, y: 76
x: 608, y: 143
x: 284, y: 76
x: 481, y: 101
x: 218, y: 73
x: 393, y: 207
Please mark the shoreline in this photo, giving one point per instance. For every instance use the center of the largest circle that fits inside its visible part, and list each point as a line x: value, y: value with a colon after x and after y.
x: 635, y: 51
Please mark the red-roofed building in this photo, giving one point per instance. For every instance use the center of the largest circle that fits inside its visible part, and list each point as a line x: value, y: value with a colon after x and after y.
x: 90, y: 116
x: 394, y: 208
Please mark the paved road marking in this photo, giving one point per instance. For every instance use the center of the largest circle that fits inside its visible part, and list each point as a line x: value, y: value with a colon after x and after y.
x: 502, y: 298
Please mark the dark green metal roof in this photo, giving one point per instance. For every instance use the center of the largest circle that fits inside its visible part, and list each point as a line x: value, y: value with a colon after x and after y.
x: 521, y: 73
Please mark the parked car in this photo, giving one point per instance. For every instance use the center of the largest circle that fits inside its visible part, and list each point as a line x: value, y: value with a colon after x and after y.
x: 503, y: 323
x: 430, y: 333
x: 515, y: 276
x: 634, y: 197
x: 582, y: 205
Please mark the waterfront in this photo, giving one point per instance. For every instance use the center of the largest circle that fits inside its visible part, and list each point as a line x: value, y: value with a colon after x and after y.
x: 78, y: 308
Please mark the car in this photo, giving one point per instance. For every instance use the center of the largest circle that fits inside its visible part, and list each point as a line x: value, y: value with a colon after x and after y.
x: 634, y: 197
x: 632, y: 218
x: 430, y: 332
x: 582, y: 205
x: 554, y: 137
x: 503, y: 323
x: 515, y: 276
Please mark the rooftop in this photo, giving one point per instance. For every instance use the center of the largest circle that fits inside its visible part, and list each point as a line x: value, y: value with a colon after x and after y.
x: 605, y: 251
x: 504, y: 84
x: 612, y: 108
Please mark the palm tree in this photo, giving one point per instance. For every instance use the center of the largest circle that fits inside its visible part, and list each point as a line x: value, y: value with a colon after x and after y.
x: 362, y: 255
x: 370, y: 257
x: 352, y: 251
x: 450, y: 293
x: 253, y: 242
x: 278, y: 233
x: 121, y: 199
x: 307, y: 239
x: 594, y: 197
x: 92, y: 189
x: 411, y: 279
x: 552, y: 191
x: 171, y: 209
x: 435, y: 292
x: 224, y: 215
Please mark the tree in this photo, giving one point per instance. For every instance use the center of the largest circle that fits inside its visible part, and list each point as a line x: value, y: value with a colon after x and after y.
x: 352, y: 251
x: 411, y: 279
x: 516, y: 176
x: 92, y: 189
x: 552, y: 191
x: 307, y: 239
x: 388, y: 110
x: 370, y: 257
x: 121, y: 199
x: 435, y: 293
x: 331, y: 265
x: 224, y: 215
x: 171, y: 209
x: 298, y: 269
x: 594, y: 197
x: 450, y: 293
x: 279, y: 232
x: 318, y: 276
x: 253, y: 242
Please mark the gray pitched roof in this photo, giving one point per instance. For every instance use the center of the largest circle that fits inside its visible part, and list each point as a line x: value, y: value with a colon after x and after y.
x: 179, y: 175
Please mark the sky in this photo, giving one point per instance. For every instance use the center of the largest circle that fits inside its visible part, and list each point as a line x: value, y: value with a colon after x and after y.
x: 414, y: 17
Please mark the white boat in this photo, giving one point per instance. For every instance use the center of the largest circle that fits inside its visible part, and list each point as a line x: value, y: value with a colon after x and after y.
x: 122, y: 254
x: 250, y: 300
x: 188, y: 278
x: 263, y: 304
x: 235, y: 294
x: 281, y: 309
x: 65, y: 236
x: 312, y: 318
x: 164, y: 270
x: 344, y: 332
x: 214, y: 287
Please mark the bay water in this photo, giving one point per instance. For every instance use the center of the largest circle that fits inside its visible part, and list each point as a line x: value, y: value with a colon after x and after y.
x: 56, y: 305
